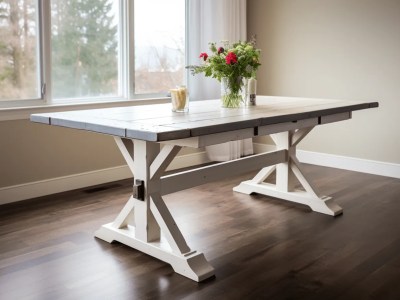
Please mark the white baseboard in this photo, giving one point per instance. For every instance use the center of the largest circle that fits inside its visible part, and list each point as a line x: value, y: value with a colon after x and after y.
x: 350, y: 163
x: 76, y: 181
x: 341, y: 162
x: 61, y: 184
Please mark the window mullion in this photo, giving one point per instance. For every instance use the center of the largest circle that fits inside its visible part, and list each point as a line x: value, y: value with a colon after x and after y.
x: 124, y: 60
x: 45, y: 49
x: 186, y: 34
x: 130, y: 28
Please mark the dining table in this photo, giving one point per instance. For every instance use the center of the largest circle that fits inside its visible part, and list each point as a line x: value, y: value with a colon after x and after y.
x: 150, y: 136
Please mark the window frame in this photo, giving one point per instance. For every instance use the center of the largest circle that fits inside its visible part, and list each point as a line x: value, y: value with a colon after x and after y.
x: 21, y: 108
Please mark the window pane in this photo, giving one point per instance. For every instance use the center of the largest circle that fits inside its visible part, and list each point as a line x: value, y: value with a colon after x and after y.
x: 18, y: 50
x: 85, y: 48
x: 159, y: 45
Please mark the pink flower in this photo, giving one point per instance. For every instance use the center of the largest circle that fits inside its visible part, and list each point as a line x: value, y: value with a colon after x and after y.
x: 220, y: 50
x: 204, y: 56
x: 231, y: 58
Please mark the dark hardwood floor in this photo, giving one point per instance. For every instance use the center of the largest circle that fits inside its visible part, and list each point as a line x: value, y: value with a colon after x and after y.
x: 261, y: 248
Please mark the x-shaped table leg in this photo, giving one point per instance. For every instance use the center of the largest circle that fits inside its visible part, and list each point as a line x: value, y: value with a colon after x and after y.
x: 286, y: 172
x: 145, y: 223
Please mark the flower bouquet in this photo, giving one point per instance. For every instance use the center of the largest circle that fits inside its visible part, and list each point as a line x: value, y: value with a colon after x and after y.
x: 230, y: 65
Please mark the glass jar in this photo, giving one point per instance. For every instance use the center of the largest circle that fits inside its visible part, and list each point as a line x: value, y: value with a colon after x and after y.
x: 180, y: 99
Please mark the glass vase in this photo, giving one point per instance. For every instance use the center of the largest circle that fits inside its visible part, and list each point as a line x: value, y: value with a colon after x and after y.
x: 233, y: 92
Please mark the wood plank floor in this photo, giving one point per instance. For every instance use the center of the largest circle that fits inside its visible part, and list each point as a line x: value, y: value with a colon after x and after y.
x: 261, y: 248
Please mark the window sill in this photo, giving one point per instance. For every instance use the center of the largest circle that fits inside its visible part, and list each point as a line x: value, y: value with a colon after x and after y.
x: 21, y: 113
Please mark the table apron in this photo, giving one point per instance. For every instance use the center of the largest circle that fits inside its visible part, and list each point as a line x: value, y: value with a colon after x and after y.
x: 240, y: 134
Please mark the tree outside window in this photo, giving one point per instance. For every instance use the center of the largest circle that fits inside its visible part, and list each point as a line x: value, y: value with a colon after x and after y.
x: 84, y: 48
x: 18, y: 50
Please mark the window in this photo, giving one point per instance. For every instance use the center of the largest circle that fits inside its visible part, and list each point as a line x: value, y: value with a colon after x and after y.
x: 85, y: 43
x: 19, y: 55
x: 94, y: 50
x: 159, y: 46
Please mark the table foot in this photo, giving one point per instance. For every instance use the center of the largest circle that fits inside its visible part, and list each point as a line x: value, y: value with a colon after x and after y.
x: 286, y: 175
x: 324, y: 205
x: 192, y: 264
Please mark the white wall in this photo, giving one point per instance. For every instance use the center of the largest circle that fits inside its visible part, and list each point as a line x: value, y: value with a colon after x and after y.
x: 344, y: 49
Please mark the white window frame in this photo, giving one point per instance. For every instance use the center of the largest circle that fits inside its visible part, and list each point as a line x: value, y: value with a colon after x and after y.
x: 22, y: 108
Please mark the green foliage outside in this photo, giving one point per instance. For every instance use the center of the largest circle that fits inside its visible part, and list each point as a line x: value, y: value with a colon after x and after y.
x: 18, y: 66
x: 84, y: 49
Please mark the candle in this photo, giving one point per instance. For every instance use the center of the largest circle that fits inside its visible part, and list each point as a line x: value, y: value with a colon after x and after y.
x: 252, y: 86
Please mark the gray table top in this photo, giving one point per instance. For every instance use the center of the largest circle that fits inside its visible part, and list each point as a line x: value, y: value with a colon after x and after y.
x: 158, y: 123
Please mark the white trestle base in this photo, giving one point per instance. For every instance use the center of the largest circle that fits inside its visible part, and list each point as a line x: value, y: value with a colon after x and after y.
x: 146, y: 224
x: 192, y: 265
x: 285, y: 176
x: 324, y: 205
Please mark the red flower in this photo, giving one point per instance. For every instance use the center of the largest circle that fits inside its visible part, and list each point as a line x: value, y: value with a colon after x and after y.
x: 204, y: 56
x: 231, y: 58
x: 220, y: 50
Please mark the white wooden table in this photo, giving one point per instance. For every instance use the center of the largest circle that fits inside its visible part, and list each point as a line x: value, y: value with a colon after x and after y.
x: 145, y: 223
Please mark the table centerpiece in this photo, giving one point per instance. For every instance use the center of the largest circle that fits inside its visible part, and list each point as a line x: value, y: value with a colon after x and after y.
x: 232, y: 65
